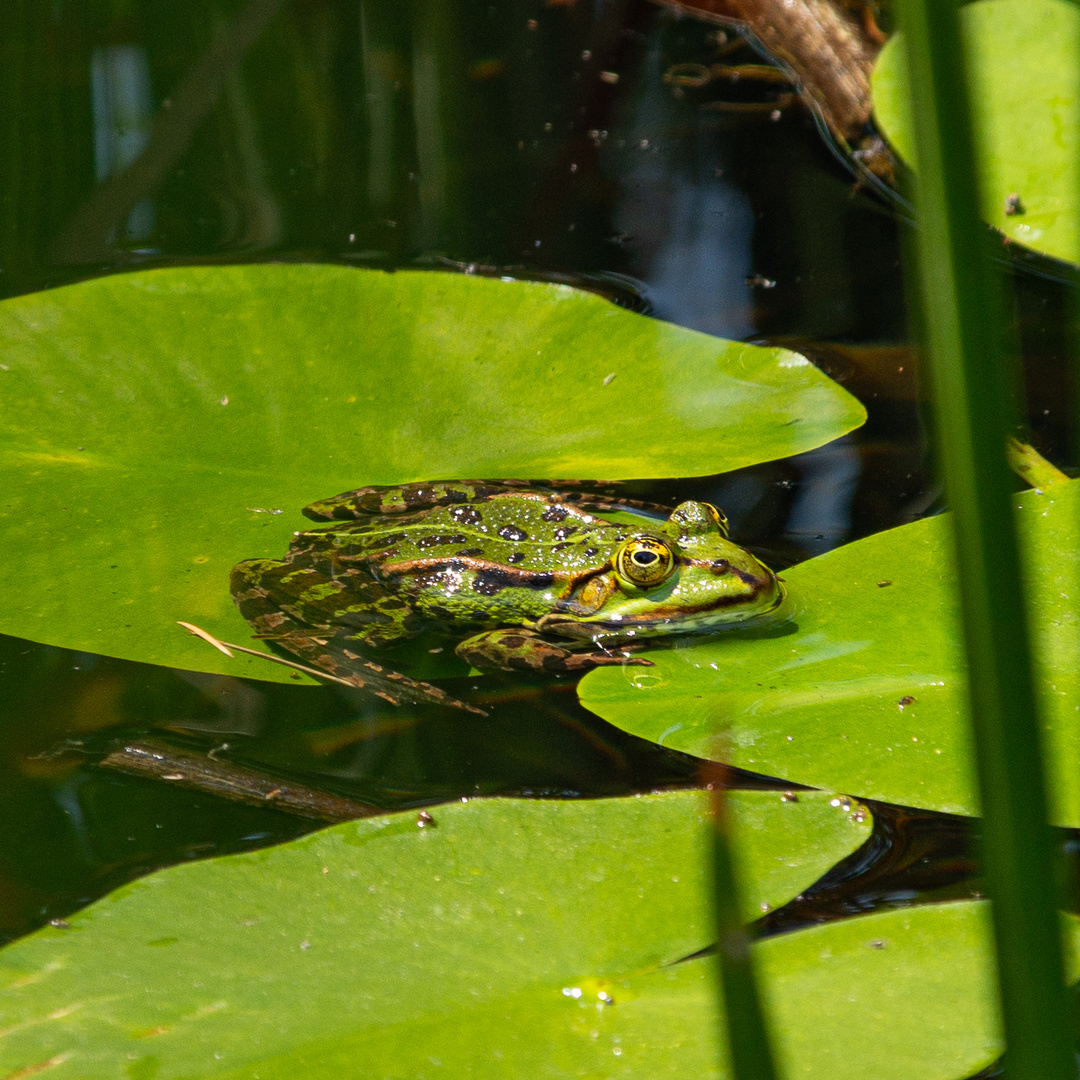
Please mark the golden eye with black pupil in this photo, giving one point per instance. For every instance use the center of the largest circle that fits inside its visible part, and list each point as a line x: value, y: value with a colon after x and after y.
x: 719, y: 517
x: 644, y: 561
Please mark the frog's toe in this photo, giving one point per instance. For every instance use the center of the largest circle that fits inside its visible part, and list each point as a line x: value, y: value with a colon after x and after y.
x: 617, y: 659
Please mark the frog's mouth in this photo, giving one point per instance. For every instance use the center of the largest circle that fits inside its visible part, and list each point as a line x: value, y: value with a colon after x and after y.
x: 768, y: 594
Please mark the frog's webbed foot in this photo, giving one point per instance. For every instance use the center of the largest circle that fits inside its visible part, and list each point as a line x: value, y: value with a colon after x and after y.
x: 342, y: 664
x: 526, y: 650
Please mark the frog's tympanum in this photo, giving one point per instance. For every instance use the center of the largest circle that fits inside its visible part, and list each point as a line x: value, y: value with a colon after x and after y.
x: 525, y: 578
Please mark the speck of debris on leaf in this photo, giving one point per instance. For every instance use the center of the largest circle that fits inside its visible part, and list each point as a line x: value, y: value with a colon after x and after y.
x: 1013, y: 205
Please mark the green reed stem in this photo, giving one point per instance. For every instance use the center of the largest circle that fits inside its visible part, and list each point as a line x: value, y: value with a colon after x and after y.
x: 971, y: 379
x: 751, y: 1057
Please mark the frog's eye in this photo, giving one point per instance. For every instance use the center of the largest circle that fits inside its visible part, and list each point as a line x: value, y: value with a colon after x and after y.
x: 644, y: 561
x: 719, y: 517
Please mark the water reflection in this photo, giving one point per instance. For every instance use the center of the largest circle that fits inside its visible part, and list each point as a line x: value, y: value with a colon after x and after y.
x: 820, y: 516
x: 691, y: 228
x: 123, y: 104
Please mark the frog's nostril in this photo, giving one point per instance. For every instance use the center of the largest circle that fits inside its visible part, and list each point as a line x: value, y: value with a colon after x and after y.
x: 720, y: 566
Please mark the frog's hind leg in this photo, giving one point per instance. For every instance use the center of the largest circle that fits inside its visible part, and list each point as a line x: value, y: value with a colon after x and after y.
x: 324, y: 648
x: 408, y: 498
x: 599, y: 495
x: 332, y: 654
x: 602, y: 496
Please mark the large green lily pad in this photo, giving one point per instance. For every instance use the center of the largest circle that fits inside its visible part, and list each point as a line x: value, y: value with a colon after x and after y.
x: 862, y: 687
x: 897, y: 995
x: 1023, y: 57
x: 156, y: 428
x: 480, y: 938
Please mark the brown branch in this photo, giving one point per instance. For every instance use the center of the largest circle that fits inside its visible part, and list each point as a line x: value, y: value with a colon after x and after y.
x: 829, y: 52
x: 237, y: 783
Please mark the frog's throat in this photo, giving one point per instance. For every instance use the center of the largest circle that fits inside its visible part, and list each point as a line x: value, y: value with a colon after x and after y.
x: 661, y: 619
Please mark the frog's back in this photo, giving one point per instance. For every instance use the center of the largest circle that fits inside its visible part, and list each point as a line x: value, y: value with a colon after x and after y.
x: 529, y: 533
x: 506, y: 560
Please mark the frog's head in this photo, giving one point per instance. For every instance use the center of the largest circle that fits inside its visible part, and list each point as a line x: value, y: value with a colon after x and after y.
x: 684, y: 576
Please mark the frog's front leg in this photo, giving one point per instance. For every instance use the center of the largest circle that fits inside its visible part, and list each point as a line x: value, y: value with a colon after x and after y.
x: 512, y: 649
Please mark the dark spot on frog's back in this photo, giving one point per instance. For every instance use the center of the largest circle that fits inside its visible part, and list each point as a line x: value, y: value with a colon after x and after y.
x: 438, y: 540
x: 512, y: 532
x: 467, y: 515
x: 375, y: 540
x: 513, y: 557
x: 490, y: 582
x: 555, y: 513
x: 564, y: 531
x: 471, y: 552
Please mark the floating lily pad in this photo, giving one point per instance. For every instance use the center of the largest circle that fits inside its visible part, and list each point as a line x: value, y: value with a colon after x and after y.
x: 1023, y: 56
x: 159, y: 427
x: 897, y: 995
x: 862, y: 687
x: 381, y: 942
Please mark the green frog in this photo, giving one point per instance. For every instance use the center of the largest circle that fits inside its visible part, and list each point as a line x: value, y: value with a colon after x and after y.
x: 525, y: 577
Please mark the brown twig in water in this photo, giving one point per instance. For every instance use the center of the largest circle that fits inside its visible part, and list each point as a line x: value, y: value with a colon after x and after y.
x: 829, y: 51
x: 237, y: 783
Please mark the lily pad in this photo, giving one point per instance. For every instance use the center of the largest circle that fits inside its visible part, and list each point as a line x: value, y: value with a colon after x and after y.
x: 382, y: 942
x: 1023, y: 56
x: 861, y: 688
x: 159, y: 427
x: 897, y: 995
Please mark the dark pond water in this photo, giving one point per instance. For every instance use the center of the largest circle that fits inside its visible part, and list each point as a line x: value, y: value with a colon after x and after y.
x: 523, y: 138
